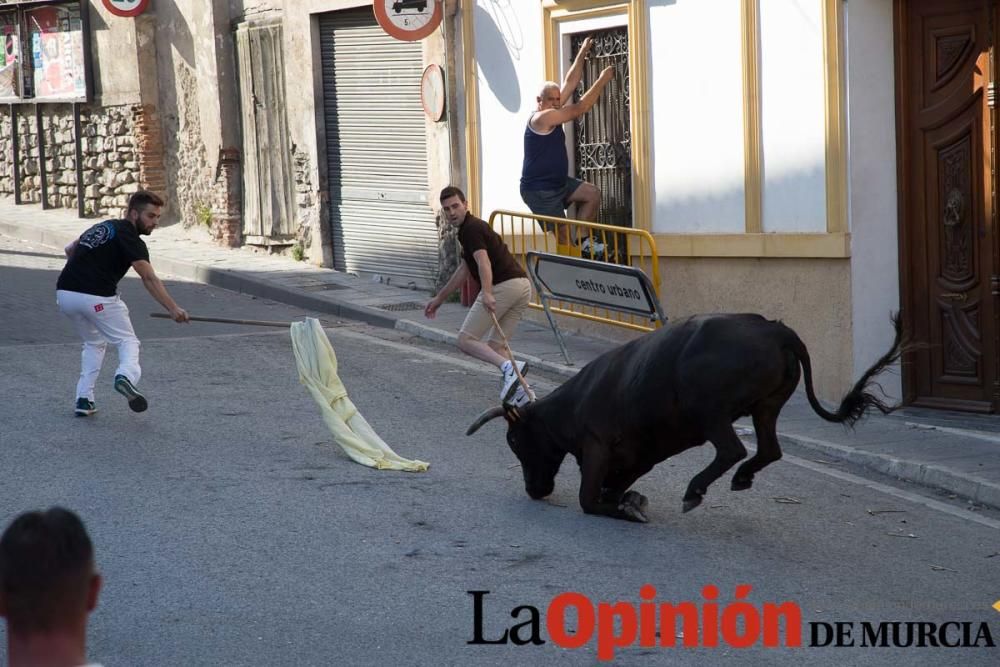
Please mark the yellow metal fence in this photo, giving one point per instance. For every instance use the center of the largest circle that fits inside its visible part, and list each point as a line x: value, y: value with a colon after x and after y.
x: 524, y: 232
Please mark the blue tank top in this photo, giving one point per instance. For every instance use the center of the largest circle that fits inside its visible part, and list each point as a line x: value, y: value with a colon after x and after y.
x: 546, y: 163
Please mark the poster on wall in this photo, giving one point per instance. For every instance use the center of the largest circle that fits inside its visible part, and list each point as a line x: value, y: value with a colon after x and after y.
x: 9, y: 71
x: 56, y: 38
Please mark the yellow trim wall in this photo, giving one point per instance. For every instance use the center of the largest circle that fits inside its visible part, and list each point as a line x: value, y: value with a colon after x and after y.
x: 471, y: 78
x: 750, y: 12
x: 836, y: 125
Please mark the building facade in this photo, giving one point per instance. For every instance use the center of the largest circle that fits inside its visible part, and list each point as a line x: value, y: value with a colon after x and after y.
x: 823, y: 162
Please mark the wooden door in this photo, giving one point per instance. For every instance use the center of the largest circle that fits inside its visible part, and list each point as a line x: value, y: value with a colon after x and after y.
x: 268, y: 206
x: 948, y: 234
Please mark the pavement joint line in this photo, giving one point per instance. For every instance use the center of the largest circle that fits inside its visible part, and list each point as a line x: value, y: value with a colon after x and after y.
x: 967, y: 433
x: 265, y: 285
x: 878, y: 486
x: 235, y: 280
x: 926, y: 474
x: 898, y: 493
x: 468, y: 364
x: 431, y: 333
x: 149, y: 339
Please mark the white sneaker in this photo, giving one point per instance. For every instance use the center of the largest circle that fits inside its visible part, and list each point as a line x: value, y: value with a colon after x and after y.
x: 510, y: 382
x: 592, y: 249
x: 520, y: 398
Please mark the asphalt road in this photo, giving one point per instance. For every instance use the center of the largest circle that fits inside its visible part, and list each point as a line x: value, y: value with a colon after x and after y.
x: 231, y: 531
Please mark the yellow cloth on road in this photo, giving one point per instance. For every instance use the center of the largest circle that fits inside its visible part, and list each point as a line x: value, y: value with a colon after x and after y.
x: 317, y: 365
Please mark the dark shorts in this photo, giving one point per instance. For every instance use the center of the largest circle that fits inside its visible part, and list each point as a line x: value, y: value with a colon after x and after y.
x: 551, y: 202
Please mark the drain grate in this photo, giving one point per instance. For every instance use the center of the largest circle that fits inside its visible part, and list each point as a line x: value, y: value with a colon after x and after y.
x: 322, y: 288
x: 405, y: 305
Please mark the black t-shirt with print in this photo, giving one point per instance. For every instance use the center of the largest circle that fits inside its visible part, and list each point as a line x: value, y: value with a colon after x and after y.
x: 102, y: 257
x: 475, y: 234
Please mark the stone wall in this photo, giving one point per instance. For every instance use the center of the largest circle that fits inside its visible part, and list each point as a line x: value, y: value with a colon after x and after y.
x: 307, y: 210
x: 226, y: 224
x: 121, y: 147
x: 202, y: 186
x: 449, y: 250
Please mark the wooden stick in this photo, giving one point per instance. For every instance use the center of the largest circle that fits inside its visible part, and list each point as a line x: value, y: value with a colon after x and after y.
x: 513, y: 362
x: 227, y: 320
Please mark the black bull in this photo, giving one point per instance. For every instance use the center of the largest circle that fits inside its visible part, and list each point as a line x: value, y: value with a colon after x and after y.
x: 666, y: 392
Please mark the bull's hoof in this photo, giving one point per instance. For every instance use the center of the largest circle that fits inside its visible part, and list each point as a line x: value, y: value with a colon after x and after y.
x: 691, y: 503
x: 632, y: 512
x: 742, y: 484
x: 636, y: 498
x: 632, y: 505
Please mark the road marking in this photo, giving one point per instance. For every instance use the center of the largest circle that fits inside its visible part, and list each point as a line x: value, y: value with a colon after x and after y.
x: 486, y: 369
x: 892, y: 491
x: 815, y: 467
x: 996, y: 605
x: 409, y: 348
x: 965, y: 433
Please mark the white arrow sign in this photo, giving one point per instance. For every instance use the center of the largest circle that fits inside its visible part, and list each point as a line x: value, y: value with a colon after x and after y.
x: 595, y: 283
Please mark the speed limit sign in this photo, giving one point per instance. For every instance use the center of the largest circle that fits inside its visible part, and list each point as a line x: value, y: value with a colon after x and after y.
x: 126, y: 7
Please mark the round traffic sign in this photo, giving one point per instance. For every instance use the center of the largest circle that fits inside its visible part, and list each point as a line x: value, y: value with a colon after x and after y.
x: 408, y: 20
x: 126, y: 7
x: 432, y: 92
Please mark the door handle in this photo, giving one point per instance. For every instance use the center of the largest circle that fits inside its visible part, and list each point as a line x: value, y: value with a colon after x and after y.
x: 957, y: 296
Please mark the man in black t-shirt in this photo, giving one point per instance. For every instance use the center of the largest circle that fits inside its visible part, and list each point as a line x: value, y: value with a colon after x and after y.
x: 504, y: 292
x: 87, y: 293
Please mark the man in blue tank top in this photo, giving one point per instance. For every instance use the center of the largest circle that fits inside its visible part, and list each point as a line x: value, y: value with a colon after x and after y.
x: 546, y: 186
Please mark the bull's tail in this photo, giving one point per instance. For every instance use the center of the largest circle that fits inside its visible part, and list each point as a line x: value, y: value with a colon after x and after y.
x: 860, y: 399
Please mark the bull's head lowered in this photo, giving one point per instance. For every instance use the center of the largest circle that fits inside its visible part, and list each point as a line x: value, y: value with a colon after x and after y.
x: 539, y: 456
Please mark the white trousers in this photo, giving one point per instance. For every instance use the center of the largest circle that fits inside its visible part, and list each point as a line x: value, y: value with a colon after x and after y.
x: 100, y: 320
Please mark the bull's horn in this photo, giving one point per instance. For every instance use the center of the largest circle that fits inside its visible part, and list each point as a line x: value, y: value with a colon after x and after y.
x: 492, y: 413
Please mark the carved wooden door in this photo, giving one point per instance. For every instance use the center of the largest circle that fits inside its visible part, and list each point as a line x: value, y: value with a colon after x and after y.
x: 948, y: 234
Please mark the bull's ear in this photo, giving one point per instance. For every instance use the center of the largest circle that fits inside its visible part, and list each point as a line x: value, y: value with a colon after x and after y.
x: 492, y: 413
x: 512, y: 413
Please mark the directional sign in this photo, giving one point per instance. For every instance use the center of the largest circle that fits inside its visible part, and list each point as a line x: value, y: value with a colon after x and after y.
x: 591, y: 283
x: 595, y: 283
x: 126, y: 7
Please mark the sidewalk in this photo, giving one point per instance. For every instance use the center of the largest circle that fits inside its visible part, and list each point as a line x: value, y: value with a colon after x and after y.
x: 957, y: 453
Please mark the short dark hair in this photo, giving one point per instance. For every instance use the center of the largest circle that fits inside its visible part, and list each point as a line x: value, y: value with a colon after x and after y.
x: 46, y: 565
x: 452, y: 191
x: 141, y: 199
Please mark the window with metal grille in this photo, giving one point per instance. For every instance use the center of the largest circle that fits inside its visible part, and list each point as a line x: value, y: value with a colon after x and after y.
x: 603, y: 136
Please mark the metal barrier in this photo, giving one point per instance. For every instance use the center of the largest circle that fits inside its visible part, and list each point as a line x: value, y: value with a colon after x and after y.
x: 527, y: 232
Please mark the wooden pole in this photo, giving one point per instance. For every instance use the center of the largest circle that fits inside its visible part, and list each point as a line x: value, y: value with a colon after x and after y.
x: 227, y: 320
x: 510, y: 355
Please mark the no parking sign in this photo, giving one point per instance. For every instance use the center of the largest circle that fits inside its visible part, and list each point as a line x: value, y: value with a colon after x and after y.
x: 126, y: 7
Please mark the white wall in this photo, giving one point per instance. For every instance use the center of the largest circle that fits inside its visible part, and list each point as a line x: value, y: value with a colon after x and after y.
x: 872, y: 181
x: 793, y: 115
x: 696, y: 78
x: 511, y: 68
x: 696, y: 106
x: 115, y: 66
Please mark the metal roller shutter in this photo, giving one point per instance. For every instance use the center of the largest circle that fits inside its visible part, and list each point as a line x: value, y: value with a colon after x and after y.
x: 376, y: 150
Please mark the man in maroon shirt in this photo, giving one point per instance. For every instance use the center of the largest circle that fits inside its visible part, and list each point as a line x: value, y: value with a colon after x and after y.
x: 504, y: 292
